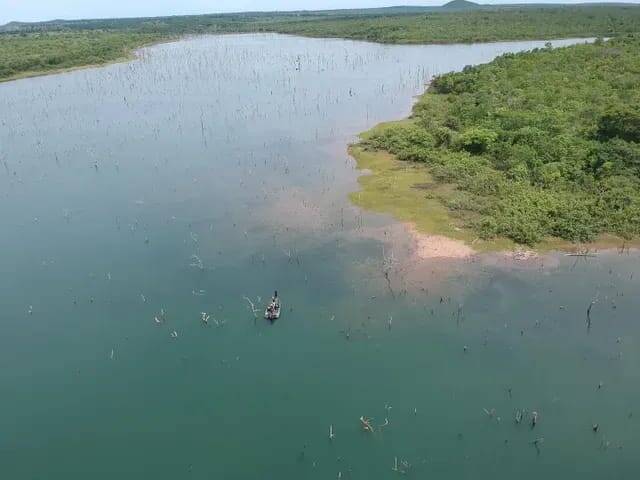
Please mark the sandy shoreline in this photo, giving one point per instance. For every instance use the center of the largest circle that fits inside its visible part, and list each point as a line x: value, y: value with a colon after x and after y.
x: 429, y: 246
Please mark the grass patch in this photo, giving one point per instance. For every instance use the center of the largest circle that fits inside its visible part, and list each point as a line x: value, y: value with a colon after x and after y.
x: 391, y: 186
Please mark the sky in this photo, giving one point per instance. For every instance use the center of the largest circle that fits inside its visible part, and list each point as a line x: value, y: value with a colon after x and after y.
x: 37, y: 10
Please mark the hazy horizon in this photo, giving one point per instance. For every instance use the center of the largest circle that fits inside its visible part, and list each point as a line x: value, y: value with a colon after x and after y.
x: 43, y: 10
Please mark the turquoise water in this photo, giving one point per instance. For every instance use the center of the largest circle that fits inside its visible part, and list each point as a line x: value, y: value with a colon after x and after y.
x: 214, y: 169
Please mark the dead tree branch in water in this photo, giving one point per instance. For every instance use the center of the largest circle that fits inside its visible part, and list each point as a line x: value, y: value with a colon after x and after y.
x: 593, y: 302
x: 252, y: 307
x: 388, y: 263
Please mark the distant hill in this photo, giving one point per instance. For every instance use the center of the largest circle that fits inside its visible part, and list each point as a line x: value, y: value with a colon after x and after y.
x: 460, y: 5
x: 10, y: 26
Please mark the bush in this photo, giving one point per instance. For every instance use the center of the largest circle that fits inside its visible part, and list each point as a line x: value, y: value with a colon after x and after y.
x: 477, y: 140
x: 621, y: 122
x: 615, y: 157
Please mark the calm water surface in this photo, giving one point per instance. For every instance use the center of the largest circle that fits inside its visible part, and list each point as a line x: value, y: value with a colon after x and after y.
x: 214, y: 169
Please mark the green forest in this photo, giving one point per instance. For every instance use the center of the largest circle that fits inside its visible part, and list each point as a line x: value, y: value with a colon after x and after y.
x: 538, y: 144
x: 476, y: 25
x: 36, y: 53
x: 35, y: 48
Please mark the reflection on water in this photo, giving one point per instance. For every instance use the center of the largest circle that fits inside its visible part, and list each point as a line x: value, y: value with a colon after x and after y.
x: 138, y: 196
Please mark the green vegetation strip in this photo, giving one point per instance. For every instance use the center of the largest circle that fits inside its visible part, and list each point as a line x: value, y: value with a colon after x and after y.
x: 26, y: 55
x: 536, y: 145
x: 476, y: 26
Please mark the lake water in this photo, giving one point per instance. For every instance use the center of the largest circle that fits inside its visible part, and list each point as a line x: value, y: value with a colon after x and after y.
x: 214, y: 169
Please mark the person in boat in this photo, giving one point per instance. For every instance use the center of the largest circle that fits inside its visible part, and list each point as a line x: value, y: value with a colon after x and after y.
x: 273, y: 307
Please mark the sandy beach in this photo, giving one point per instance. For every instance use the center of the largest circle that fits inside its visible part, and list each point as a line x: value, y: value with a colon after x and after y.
x: 438, y: 246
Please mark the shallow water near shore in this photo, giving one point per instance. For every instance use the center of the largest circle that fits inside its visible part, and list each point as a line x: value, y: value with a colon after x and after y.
x: 216, y: 168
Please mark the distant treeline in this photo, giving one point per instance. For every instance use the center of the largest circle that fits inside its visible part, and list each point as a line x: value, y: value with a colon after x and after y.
x: 32, y: 48
x: 538, y: 144
x: 476, y: 25
x: 467, y: 23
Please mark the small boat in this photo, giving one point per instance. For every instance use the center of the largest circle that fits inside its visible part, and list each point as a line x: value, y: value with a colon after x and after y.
x: 272, y: 311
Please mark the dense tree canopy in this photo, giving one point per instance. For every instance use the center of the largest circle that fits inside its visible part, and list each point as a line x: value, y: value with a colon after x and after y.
x: 538, y: 144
